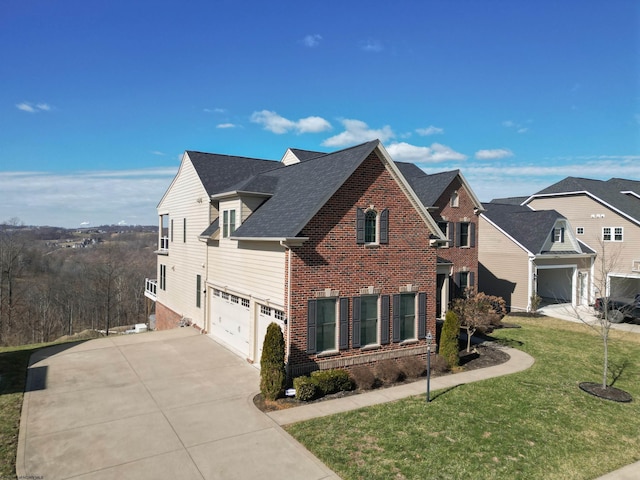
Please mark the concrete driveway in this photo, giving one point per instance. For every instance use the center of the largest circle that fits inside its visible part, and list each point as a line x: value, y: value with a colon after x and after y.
x: 159, y: 405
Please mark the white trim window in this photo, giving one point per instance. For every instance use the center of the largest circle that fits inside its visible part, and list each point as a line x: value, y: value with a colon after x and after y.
x: 579, y: 230
x: 372, y: 226
x: 612, y: 234
x: 228, y: 223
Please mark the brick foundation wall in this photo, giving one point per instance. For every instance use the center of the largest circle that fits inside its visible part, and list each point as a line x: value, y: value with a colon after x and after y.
x: 331, y: 258
x: 166, y: 318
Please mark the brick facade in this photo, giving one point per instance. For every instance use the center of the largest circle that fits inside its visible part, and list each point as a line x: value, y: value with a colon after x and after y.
x: 331, y: 259
x: 463, y: 258
x: 166, y: 318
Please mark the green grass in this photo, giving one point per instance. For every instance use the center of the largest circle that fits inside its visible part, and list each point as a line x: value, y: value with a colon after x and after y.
x: 532, y: 424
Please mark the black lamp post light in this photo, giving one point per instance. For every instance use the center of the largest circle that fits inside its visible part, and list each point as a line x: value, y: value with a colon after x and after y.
x: 429, y: 340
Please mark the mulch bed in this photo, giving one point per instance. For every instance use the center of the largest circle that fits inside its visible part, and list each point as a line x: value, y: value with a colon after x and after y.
x: 481, y: 356
x: 608, y: 393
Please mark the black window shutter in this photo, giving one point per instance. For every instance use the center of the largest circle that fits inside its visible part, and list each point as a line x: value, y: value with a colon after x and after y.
x: 360, y: 226
x: 311, y: 326
x: 553, y: 235
x: 472, y: 234
x: 458, y: 232
x: 355, y: 318
x: 562, y: 235
x: 471, y: 279
x: 395, y: 327
x: 343, y: 341
x: 422, y: 315
x: 384, y: 320
x: 456, y: 279
x: 450, y: 232
x: 384, y: 226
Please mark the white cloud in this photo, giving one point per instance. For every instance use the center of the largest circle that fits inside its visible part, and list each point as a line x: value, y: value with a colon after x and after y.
x: 275, y: 123
x: 30, y: 108
x: 519, y: 128
x: 104, y: 197
x: 495, y: 153
x: 357, y: 131
x: 226, y: 125
x: 158, y: 152
x: 312, y: 40
x: 405, y: 152
x: 371, y: 46
x: 430, y: 130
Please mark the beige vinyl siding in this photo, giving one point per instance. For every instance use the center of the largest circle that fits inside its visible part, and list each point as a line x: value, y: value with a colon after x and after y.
x: 504, y: 267
x: 249, y: 268
x: 249, y: 205
x: 186, y: 198
x: 582, y: 211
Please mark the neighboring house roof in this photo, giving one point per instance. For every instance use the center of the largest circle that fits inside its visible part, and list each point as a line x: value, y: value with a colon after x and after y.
x: 510, y: 200
x: 530, y: 228
x: 618, y: 194
x: 304, y: 155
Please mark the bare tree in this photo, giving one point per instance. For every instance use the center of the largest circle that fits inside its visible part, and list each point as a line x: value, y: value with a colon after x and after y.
x: 478, y: 311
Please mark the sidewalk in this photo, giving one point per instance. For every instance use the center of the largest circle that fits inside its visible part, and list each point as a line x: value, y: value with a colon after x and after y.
x: 519, y: 361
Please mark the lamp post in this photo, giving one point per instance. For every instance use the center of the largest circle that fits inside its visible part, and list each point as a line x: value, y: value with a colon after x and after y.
x: 429, y: 339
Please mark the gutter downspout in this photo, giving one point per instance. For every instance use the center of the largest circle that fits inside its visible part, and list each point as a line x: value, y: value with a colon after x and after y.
x: 288, y: 307
x: 532, y: 282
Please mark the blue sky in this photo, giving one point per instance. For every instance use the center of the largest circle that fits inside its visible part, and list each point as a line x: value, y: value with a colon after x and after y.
x: 98, y: 100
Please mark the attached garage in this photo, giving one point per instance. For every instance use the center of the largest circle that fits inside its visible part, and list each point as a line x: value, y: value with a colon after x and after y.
x: 555, y: 283
x: 229, y: 321
x: 266, y: 316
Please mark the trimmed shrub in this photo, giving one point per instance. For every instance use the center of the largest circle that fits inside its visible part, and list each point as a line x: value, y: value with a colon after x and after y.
x: 272, y: 369
x: 449, y: 348
x: 332, y: 381
x: 413, y: 367
x: 306, y: 388
x: 387, y: 371
x: 363, y: 377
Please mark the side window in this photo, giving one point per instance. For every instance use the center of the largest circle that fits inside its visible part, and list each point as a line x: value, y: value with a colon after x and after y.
x: 198, y: 290
x: 455, y: 199
x: 163, y: 277
x: 372, y: 227
x: 228, y: 223
x: 465, y: 234
x: 184, y: 230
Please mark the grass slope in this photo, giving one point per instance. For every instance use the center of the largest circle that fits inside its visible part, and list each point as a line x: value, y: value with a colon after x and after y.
x: 533, y: 424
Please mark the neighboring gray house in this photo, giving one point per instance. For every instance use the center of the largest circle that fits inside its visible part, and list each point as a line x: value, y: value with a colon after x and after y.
x: 605, y: 216
x: 523, y: 253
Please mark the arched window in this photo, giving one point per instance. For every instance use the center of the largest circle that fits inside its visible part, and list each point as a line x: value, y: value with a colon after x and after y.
x: 370, y: 223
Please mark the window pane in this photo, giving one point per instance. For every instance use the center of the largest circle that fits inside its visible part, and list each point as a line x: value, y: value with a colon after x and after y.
x: 617, y: 234
x: 326, y: 325
x: 370, y: 227
x: 369, y: 319
x: 225, y: 224
x: 407, y: 316
x: 606, y: 233
x: 232, y: 221
x: 464, y: 234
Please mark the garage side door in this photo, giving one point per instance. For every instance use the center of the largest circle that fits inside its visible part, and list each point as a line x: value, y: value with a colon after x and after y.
x: 266, y: 315
x: 229, y: 320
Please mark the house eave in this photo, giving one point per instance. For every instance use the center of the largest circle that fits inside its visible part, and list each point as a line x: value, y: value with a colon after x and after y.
x: 289, y: 241
x: 239, y: 193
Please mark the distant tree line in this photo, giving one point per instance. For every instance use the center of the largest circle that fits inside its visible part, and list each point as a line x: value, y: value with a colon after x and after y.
x: 47, y: 292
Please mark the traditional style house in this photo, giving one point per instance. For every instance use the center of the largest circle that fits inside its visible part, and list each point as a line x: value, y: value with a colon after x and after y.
x: 525, y: 253
x: 338, y: 249
x: 605, y: 216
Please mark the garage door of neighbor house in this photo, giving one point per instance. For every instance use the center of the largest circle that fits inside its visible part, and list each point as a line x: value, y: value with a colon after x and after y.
x: 555, y: 284
x: 229, y: 320
x: 266, y: 315
x: 624, y: 286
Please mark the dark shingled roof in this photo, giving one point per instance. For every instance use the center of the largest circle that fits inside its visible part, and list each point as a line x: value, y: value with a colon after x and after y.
x: 428, y: 188
x: 510, y: 200
x: 530, y: 228
x: 304, y: 155
x: 219, y: 172
x: 211, y: 229
x: 609, y: 192
x: 299, y: 191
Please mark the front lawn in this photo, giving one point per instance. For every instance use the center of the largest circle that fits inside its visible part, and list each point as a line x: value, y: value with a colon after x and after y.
x: 533, y: 424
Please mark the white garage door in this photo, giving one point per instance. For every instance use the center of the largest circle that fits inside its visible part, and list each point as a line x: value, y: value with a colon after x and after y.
x: 229, y: 320
x: 266, y: 315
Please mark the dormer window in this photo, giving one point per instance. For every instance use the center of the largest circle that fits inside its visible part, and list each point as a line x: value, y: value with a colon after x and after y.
x: 228, y: 223
x: 558, y: 235
x: 372, y: 227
